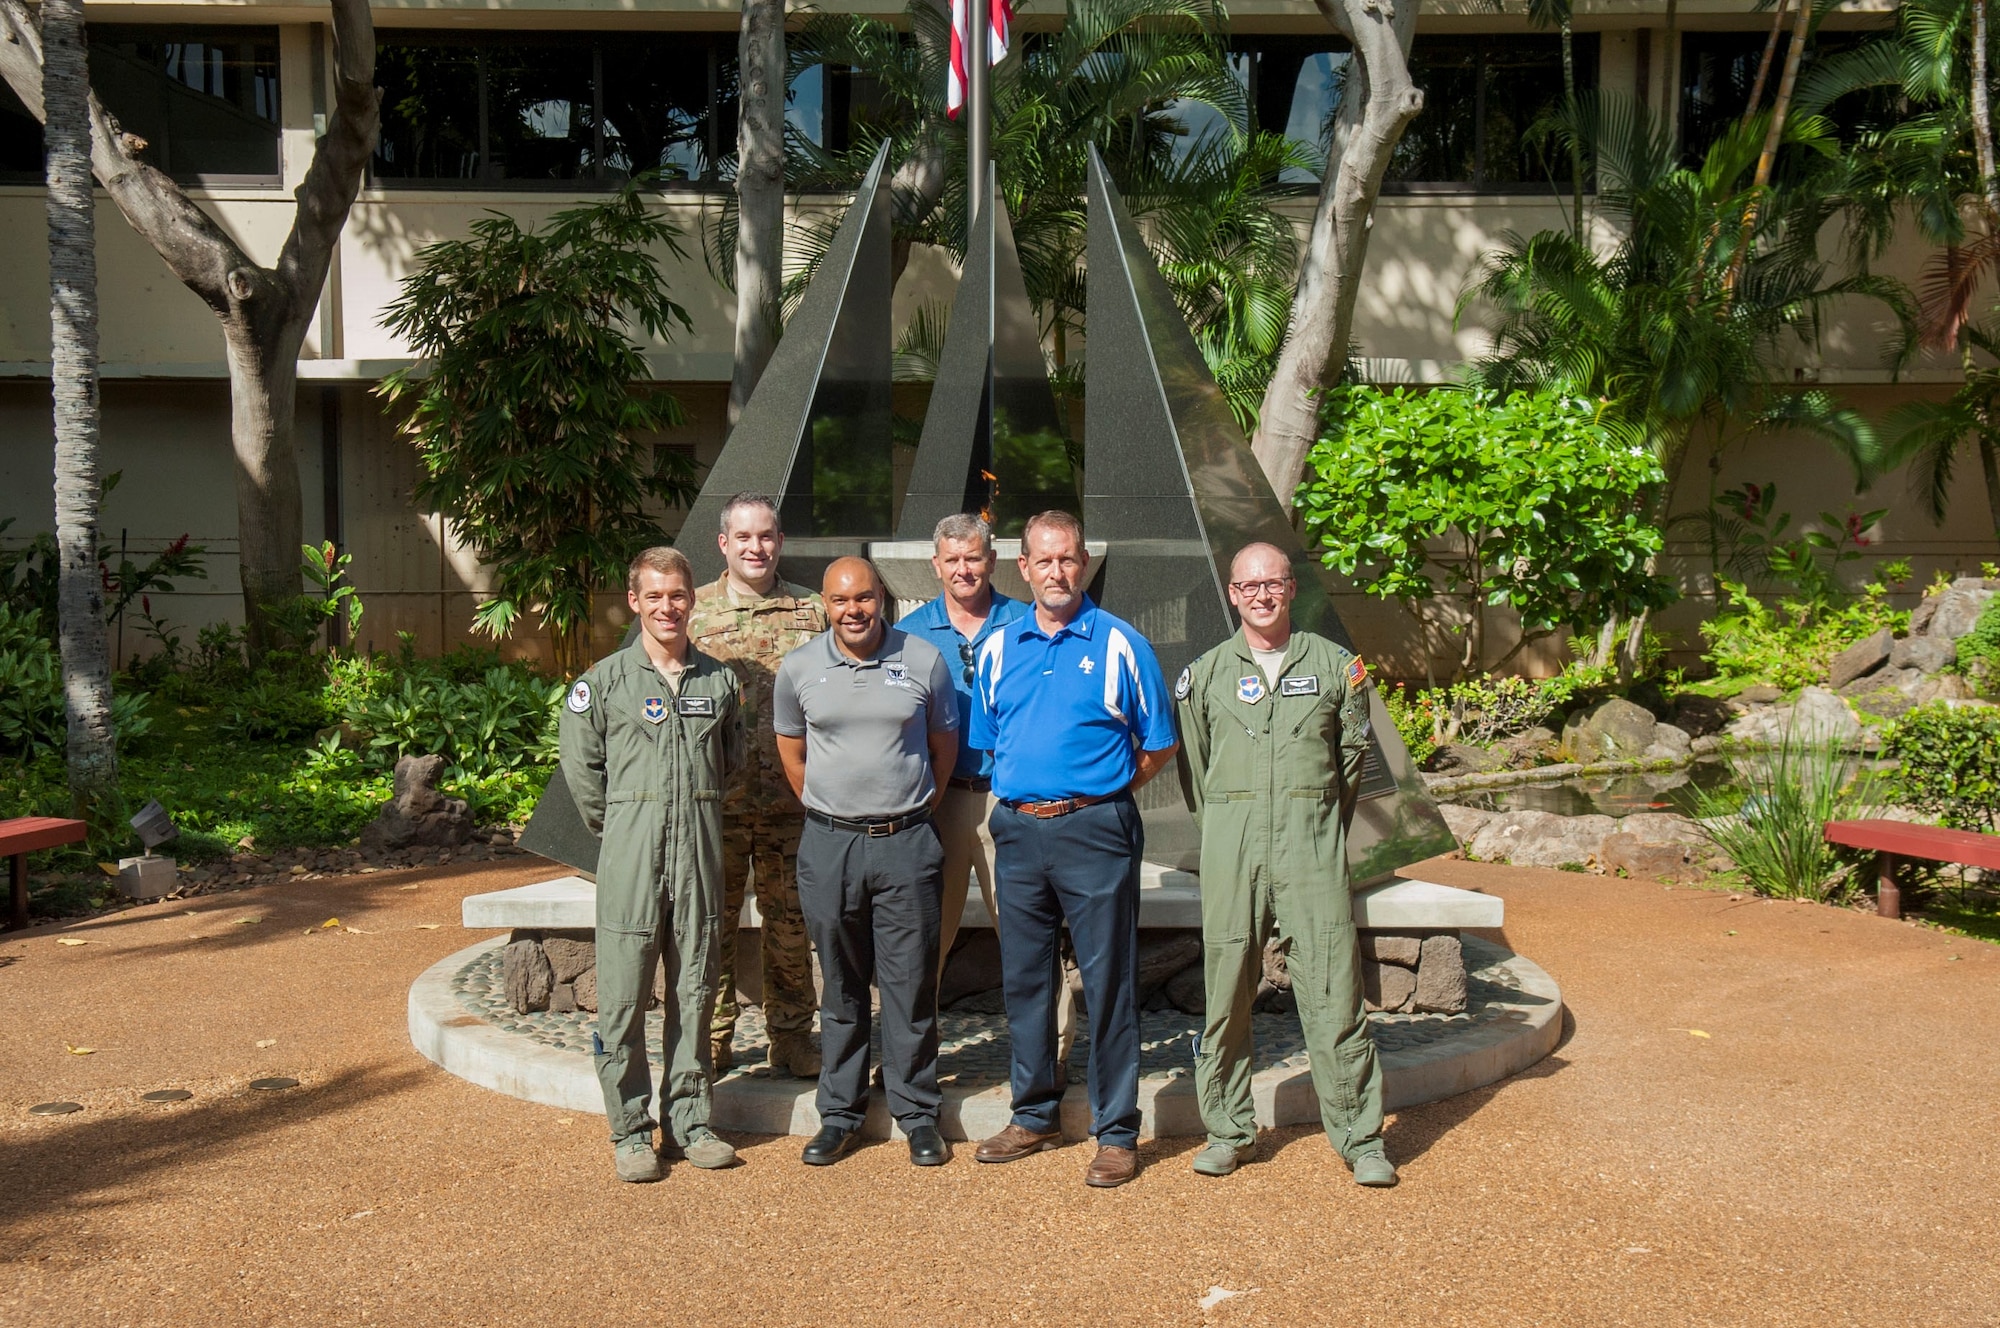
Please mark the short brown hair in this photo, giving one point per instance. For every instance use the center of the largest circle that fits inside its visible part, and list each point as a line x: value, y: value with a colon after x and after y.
x: 662, y: 559
x: 1059, y: 519
x: 751, y: 498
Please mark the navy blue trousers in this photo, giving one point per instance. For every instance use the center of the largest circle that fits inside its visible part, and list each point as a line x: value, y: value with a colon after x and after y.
x: 1082, y: 869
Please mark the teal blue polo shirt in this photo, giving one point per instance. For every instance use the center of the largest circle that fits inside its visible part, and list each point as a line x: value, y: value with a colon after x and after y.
x: 932, y: 623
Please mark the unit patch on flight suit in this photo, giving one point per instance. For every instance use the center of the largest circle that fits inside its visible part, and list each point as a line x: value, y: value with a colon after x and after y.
x: 1250, y: 690
x: 656, y: 709
x: 579, y: 698
x: 1306, y: 686
x: 1184, y: 684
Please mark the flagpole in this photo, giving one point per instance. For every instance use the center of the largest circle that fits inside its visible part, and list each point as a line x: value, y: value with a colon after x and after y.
x: 978, y: 107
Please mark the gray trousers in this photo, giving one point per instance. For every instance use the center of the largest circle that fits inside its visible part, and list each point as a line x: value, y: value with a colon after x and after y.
x: 687, y: 940
x: 871, y: 908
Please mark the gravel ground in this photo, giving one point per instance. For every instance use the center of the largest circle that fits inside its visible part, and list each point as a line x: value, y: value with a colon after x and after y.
x: 1825, y: 1154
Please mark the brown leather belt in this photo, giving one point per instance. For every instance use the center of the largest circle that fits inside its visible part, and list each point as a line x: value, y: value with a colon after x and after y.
x: 1044, y: 811
x: 977, y: 783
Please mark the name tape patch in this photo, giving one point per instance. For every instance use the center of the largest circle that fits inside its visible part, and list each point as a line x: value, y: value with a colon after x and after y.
x: 1306, y: 686
x: 695, y: 706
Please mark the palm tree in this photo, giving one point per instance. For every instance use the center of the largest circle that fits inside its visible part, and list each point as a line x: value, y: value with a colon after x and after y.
x: 93, y: 757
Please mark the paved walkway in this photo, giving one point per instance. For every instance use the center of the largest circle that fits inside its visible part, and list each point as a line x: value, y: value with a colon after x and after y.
x: 1828, y: 1153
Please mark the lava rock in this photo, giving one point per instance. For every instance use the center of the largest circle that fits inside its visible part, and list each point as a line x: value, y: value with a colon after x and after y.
x: 1958, y: 608
x: 1613, y: 730
x: 1699, y: 716
x: 584, y: 990
x: 1188, y: 990
x: 562, y: 998
x: 569, y: 956
x: 1925, y: 653
x: 418, y: 815
x: 1530, y: 748
x: 1457, y: 758
x: 1388, y: 947
x: 1440, y: 976
x: 1276, y: 972
x: 1865, y: 656
x: 1163, y: 954
x: 527, y: 977
x: 1387, y: 987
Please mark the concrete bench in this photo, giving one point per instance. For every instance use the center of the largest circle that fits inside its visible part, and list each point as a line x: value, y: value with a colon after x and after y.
x: 1167, y: 898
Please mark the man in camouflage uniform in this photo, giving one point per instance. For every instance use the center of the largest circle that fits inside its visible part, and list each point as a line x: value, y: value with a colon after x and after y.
x: 750, y: 619
x: 1274, y: 728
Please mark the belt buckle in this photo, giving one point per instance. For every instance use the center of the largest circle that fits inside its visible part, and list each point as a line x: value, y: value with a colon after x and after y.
x: 1049, y: 811
x: 882, y: 829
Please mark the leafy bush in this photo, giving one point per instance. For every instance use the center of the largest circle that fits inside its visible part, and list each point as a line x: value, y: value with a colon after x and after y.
x: 1484, y: 710
x: 1949, y: 764
x: 1526, y: 501
x: 1776, y: 834
x: 503, y: 722
x: 1792, y: 645
x: 275, y: 708
x: 32, y: 715
x: 1411, y: 710
x: 1979, y: 650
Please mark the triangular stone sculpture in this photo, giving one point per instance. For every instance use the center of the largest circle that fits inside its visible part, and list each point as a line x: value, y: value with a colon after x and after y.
x: 815, y: 435
x: 992, y: 437
x: 1172, y: 488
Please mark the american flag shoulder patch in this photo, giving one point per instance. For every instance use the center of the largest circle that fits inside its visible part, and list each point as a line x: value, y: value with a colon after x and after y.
x: 1357, y: 674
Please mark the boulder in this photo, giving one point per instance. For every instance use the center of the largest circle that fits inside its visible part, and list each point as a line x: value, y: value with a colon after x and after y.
x: 1865, y: 656
x: 1613, y: 730
x: 1885, y: 693
x: 1942, y: 687
x: 584, y: 991
x: 1441, y: 976
x: 417, y: 815
x: 569, y: 956
x: 1670, y: 743
x: 1820, y: 716
x: 1187, y: 990
x: 1388, y: 947
x: 1465, y: 822
x: 1661, y: 847
x: 1276, y: 972
x: 974, y: 966
x: 562, y: 998
x: 1699, y: 716
x: 1762, y: 693
x: 1387, y: 986
x: 1926, y: 654
x: 1505, y: 834
x: 526, y: 976
x: 1577, y: 841
x: 1530, y: 748
x: 1457, y: 758
x: 1163, y: 954
x: 1958, y: 608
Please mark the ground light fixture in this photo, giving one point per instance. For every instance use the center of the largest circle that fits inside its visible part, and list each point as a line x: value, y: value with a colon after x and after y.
x: 149, y: 876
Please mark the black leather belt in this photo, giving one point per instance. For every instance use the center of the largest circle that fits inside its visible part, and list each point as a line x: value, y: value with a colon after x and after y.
x: 873, y: 827
x: 977, y: 783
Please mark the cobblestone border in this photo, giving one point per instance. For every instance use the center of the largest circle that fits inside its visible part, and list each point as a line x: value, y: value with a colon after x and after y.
x: 1515, y: 1018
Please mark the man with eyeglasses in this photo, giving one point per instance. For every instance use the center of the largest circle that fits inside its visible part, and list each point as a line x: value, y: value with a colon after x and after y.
x: 1274, y: 728
x: 958, y: 622
x: 1071, y: 703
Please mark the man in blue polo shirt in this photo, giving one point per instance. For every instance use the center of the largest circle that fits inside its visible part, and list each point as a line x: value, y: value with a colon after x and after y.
x: 1071, y: 703
x: 958, y: 622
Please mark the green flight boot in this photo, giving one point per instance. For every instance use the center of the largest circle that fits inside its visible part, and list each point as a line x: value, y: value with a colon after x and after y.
x: 636, y: 1160
x: 1374, y: 1169
x: 703, y: 1149
x: 1222, y: 1159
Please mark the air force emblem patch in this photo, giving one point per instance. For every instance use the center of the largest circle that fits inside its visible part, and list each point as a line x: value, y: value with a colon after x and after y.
x: 1184, y: 684
x: 656, y: 709
x: 1250, y: 690
x: 579, y: 698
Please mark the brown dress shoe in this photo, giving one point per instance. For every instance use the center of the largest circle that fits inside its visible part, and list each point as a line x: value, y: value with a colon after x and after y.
x: 1016, y: 1141
x: 1112, y: 1166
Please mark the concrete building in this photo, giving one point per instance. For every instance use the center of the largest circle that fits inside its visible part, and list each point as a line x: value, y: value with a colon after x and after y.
x: 533, y: 105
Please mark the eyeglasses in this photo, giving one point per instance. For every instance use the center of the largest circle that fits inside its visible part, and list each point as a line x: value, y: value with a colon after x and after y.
x: 965, y: 658
x: 1251, y: 589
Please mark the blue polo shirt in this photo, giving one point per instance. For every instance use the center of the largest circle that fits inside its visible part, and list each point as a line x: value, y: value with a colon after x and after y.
x: 1059, y: 713
x: 931, y: 623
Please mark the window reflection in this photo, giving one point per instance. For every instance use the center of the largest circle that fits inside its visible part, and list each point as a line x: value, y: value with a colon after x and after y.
x: 205, y: 100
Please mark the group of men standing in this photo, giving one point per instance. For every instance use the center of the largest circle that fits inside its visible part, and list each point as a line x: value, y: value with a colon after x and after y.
x: 867, y: 773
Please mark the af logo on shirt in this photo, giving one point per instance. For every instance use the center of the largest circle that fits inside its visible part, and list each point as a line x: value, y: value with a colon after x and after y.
x: 656, y: 709
x: 1250, y: 690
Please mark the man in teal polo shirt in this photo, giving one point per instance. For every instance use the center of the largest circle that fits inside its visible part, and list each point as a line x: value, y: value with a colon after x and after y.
x: 1071, y: 703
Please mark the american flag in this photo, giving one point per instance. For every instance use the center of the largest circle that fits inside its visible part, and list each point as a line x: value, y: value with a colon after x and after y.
x: 1001, y: 16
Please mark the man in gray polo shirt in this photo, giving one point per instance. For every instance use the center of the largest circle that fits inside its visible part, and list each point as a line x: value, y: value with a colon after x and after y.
x: 866, y: 719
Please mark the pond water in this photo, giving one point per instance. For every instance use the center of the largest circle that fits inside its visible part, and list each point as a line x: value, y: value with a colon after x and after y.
x: 1671, y: 791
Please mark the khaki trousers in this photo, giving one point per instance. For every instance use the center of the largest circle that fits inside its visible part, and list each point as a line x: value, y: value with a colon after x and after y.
x: 963, y: 831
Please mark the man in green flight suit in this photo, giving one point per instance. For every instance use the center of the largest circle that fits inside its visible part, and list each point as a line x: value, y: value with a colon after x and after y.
x: 750, y: 618
x: 650, y: 739
x: 1274, y: 726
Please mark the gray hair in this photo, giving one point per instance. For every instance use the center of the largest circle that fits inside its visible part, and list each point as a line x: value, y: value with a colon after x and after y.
x: 750, y: 498
x: 964, y: 526
x: 1057, y: 519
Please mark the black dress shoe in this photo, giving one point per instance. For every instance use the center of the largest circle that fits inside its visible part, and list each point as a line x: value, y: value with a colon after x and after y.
x: 927, y: 1147
x: 832, y: 1143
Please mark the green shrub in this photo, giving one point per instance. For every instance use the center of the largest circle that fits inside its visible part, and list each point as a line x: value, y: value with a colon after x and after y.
x: 1412, y: 712
x: 1484, y: 710
x: 1979, y: 650
x: 505, y: 721
x: 1776, y: 833
x: 1792, y: 645
x: 1949, y: 764
x: 32, y: 717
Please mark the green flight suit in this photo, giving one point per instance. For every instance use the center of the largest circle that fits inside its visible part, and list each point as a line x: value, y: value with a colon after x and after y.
x: 647, y: 765
x: 1271, y: 773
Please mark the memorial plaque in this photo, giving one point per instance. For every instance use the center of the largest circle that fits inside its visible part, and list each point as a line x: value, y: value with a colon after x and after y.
x: 1172, y: 488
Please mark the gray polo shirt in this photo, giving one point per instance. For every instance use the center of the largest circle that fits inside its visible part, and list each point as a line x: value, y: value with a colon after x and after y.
x: 867, y: 722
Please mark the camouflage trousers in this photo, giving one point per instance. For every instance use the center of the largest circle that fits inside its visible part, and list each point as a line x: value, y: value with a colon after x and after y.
x: 770, y: 846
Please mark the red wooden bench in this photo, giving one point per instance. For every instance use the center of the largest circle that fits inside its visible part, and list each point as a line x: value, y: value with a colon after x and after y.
x: 24, y: 835
x: 1892, y: 840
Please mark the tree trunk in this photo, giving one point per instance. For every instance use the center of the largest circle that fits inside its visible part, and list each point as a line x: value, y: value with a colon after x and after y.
x: 760, y: 196
x: 1764, y: 65
x: 1989, y: 465
x: 86, y: 665
x: 1768, y: 158
x: 1982, y: 116
x: 264, y: 311
x: 920, y: 181
x: 1575, y: 143
x: 1376, y: 106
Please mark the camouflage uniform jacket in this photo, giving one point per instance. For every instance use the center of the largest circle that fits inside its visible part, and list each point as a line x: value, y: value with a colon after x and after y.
x: 751, y: 636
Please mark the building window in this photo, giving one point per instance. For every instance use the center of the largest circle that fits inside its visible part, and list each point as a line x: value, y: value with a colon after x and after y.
x: 205, y: 100
x: 1718, y: 70
x: 1482, y: 94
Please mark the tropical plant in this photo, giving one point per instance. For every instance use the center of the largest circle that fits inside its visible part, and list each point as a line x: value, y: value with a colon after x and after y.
x: 333, y: 604
x: 1979, y: 650
x: 504, y: 721
x: 1792, y: 645
x: 527, y: 405
x: 264, y: 311
x: 1756, y: 542
x: 32, y: 707
x: 1948, y: 764
x: 1771, y: 820
x: 1452, y: 502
